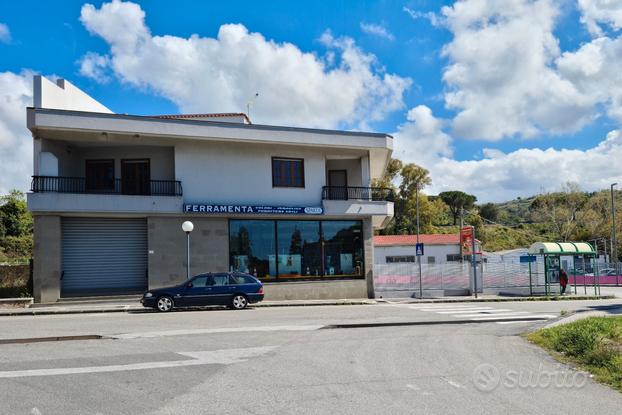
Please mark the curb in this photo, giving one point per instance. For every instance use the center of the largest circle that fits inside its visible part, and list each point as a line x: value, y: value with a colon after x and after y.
x: 141, y: 309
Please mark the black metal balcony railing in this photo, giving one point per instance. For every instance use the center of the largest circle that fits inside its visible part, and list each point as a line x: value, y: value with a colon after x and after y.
x: 115, y: 186
x: 376, y: 194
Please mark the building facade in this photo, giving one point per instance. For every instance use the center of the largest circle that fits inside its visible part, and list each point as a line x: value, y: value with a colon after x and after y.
x: 438, y: 248
x: 292, y: 206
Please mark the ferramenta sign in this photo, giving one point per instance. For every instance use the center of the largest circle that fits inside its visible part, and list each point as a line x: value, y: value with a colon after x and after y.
x: 252, y: 209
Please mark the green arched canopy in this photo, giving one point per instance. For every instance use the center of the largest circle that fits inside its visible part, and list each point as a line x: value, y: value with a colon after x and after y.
x: 562, y: 248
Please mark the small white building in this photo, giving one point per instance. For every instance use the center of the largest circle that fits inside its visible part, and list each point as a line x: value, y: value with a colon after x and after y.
x: 438, y: 248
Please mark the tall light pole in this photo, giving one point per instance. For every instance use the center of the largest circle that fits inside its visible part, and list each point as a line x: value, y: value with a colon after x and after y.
x: 417, y: 246
x: 187, y: 227
x: 614, y: 245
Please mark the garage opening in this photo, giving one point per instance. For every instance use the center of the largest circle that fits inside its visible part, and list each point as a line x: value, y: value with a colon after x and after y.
x: 103, y: 256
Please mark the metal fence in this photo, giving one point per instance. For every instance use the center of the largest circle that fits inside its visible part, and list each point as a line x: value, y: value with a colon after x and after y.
x: 493, y: 274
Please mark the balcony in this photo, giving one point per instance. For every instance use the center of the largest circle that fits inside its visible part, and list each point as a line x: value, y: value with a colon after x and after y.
x: 374, y: 202
x: 374, y: 194
x: 116, y: 186
x: 52, y: 194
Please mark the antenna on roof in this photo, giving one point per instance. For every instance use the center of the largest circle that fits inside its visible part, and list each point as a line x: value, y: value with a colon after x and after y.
x: 249, y: 103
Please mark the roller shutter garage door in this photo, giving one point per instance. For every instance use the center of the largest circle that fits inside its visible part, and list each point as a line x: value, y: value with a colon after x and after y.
x: 103, y: 256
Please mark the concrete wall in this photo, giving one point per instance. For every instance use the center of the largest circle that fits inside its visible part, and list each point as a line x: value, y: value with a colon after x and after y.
x: 63, y: 95
x: 47, y: 258
x: 439, y: 252
x: 242, y: 173
x: 102, y: 203
x: 315, y: 290
x: 353, y: 168
x: 209, y: 248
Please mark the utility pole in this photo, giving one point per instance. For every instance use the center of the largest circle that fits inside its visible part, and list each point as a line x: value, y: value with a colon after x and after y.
x: 418, y: 256
x: 474, y: 259
x: 614, y: 245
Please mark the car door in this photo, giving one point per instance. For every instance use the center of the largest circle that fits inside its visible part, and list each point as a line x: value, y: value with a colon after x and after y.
x: 221, y: 289
x: 197, y: 292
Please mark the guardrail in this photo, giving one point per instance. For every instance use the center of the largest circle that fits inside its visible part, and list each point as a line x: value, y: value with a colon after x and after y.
x: 375, y: 194
x: 58, y: 184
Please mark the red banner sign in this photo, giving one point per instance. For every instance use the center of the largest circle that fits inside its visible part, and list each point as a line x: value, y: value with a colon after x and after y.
x: 466, y: 242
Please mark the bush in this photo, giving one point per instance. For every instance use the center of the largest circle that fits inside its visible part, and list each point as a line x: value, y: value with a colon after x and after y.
x: 16, y: 246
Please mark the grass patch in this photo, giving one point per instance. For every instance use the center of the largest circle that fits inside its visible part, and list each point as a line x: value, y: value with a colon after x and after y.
x: 593, y: 344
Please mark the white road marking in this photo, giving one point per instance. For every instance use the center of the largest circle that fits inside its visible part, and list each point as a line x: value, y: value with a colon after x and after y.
x: 413, y: 387
x: 223, y: 357
x: 420, y: 306
x: 185, y: 332
x: 455, y: 384
x: 477, y: 310
x: 514, y: 313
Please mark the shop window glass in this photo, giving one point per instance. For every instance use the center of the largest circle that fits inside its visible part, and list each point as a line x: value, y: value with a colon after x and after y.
x: 299, y: 249
x: 252, y: 247
x: 343, y: 248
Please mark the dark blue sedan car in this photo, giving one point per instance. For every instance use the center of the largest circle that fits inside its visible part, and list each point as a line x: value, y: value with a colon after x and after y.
x: 232, y: 289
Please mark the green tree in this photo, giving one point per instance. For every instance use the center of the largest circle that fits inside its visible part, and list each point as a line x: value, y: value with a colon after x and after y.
x: 456, y: 201
x: 14, y: 215
x: 392, y: 171
x: 489, y: 211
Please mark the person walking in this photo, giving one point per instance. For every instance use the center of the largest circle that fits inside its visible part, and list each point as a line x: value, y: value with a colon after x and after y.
x: 563, y: 280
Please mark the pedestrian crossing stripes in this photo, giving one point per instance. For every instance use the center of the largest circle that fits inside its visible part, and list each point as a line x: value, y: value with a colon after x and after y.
x: 484, y: 313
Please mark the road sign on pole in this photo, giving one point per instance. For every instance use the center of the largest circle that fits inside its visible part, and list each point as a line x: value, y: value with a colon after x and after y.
x: 419, y: 249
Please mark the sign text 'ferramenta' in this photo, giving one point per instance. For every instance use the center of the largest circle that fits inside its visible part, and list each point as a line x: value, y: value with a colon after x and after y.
x: 274, y: 210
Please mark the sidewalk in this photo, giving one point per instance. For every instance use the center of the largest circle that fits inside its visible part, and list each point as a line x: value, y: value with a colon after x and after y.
x: 132, y: 304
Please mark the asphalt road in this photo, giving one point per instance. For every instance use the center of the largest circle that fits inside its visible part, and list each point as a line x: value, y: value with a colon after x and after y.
x: 286, y: 360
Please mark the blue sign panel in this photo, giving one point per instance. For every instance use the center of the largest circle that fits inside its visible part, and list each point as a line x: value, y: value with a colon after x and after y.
x: 527, y: 258
x: 419, y: 249
x: 252, y: 209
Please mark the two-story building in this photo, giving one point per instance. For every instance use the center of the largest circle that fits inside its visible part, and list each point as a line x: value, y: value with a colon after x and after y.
x: 292, y: 206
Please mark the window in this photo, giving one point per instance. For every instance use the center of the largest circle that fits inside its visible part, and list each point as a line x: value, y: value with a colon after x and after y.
x: 200, y: 281
x: 454, y: 257
x: 431, y: 260
x: 287, y: 249
x: 402, y: 258
x: 241, y: 279
x: 252, y: 247
x: 99, y: 175
x: 288, y: 172
x: 220, y: 279
x: 343, y: 248
x: 299, y: 248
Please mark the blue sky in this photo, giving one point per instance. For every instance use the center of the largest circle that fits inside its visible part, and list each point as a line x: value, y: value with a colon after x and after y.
x: 406, y: 38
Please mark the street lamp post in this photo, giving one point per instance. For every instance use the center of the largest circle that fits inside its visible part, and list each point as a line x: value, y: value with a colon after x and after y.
x: 187, y: 227
x: 614, y: 245
x: 418, y: 256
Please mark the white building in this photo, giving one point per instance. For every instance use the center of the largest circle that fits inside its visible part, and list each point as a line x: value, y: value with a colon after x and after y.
x: 293, y: 206
x: 438, y: 248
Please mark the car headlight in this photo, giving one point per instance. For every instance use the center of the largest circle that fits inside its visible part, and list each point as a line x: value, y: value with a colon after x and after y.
x: 147, y: 295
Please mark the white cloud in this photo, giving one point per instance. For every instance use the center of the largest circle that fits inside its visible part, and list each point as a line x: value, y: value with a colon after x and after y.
x: 502, y: 176
x: 595, y: 13
x: 15, y: 139
x: 345, y: 88
x: 434, y: 19
x: 5, y: 33
x: 95, y: 66
x: 376, y: 30
x: 501, y: 75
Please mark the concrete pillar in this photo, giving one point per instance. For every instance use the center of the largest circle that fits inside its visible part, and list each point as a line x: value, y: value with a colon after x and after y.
x: 368, y: 253
x: 47, y: 251
x: 209, y: 248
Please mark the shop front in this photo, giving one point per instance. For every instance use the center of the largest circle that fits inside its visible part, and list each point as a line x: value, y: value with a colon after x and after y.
x: 285, y: 250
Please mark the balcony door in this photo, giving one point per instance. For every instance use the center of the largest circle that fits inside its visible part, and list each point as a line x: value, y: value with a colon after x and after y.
x: 338, y: 184
x: 136, y: 177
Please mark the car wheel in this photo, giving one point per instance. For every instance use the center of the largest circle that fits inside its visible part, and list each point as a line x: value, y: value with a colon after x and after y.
x: 164, y: 304
x: 239, y: 302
